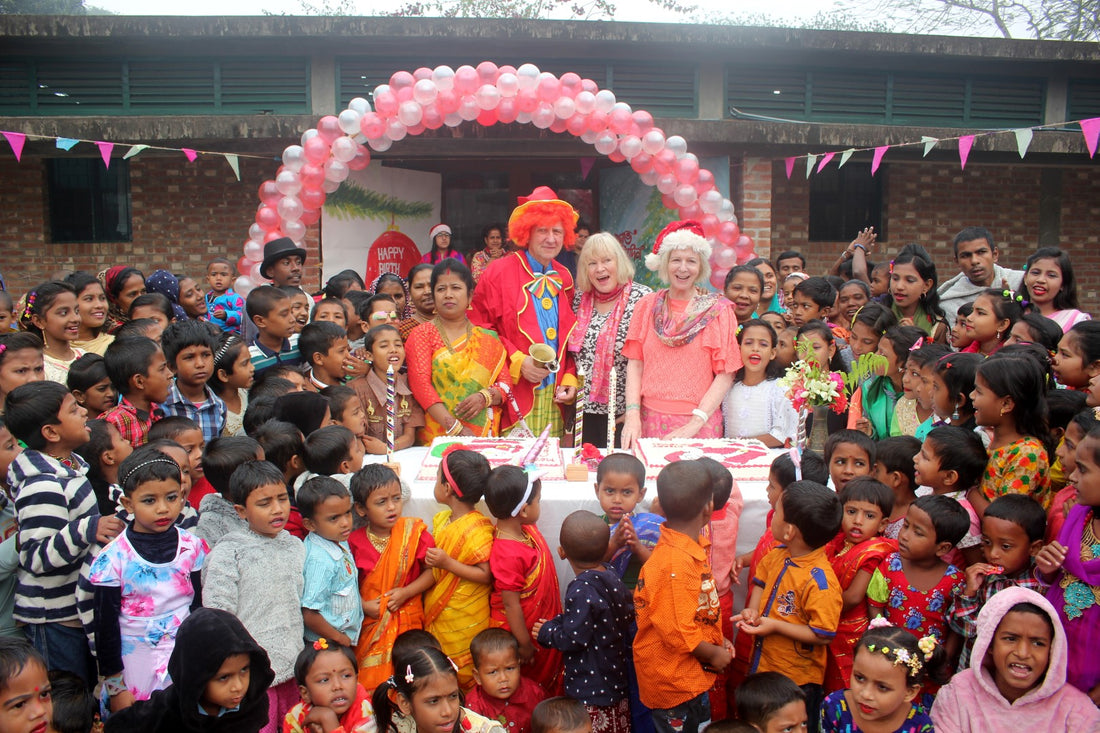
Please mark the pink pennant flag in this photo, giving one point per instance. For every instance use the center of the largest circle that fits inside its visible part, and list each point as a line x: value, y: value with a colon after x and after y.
x: 825, y: 161
x: 105, y: 152
x: 1089, y: 128
x: 16, y: 140
x: 586, y: 166
x: 191, y: 154
x: 965, y: 143
x: 790, y: 167
x: 876, y: 159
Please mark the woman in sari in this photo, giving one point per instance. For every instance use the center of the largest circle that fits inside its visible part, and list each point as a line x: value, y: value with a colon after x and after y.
x: 682, y: 345
x: 457, y: 371
x: 389, y: 554
x: 605, y: 300
x: 493, y: 237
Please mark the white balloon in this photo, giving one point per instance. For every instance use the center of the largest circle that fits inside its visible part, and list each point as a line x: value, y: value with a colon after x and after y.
x: 677, y: 145
x: 508, y: 84
x: 468, y: 108
x: 630, y: 146
x: 653, y: 141
x: 710, y: 201
x: 564, y: 108
x: 336, y: 170
x: 349, y: 121
x: 528, y: 76
x: 543, y: 116
x: 425, y: 92
x: 243, y: 285
x: 487, y: 97
x: 294, y: 157
x: 667, y: 183
x: 344, y: 149
x: 309, y: 135
x: 650, y: 177
x: 296, y: 230
x: 410, y: 113
x: 395, y: 131
x: 605, y: 100
x: 444, y: 78
x: 725, y: 211
x: 605, y: 143
x: 288, y: 183
x: 684, y: 195
x: 523, y: 118
x: 454, y: 119
x: 381, y: 145
x: 290, y: 208
x: 360, y: 105
x: 329, y: 186
x: 256, y: 233
x: 589, y: 137
x: 586, y: 102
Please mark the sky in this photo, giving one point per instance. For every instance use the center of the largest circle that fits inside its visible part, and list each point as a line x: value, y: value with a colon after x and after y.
x: 628, y: 10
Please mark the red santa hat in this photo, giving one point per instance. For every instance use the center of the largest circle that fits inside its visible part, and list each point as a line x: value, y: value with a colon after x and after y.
x: 438, y: 229
x: 678, y: 235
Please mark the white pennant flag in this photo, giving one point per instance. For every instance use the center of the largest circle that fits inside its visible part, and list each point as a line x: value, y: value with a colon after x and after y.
x: 929, y: 143
x: 811, y: 161
x: 231, y: 159
x: 134, y: 150
x: 1023, y: 139
x: 844, y: 156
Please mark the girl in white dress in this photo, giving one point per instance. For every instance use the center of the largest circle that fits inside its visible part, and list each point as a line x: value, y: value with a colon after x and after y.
x: 756, y: 406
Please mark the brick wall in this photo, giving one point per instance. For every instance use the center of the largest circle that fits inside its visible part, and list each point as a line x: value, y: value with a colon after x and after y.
x: 183, y: 214
x: 929, y: 202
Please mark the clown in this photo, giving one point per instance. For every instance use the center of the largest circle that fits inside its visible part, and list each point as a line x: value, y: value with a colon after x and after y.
x: 527, y: 297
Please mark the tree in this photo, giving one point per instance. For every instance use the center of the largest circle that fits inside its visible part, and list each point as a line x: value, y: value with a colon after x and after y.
x: 1062, y: 20
x: 42, y: 7
x: 822, y: 20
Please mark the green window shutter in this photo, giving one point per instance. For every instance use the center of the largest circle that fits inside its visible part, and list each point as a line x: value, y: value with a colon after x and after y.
x: 161, y: 85
x: 928, y: 100
x: 1084, y: 99
x: 16, y: 87
x: 80, y: 87
x: 768, y: 92
x: 1006, y: 101
x: 848, y: 96
x: 265, y: 85
x: 664, y: 90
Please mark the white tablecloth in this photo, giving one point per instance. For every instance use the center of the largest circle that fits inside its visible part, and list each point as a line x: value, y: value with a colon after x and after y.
x: 562, y: 498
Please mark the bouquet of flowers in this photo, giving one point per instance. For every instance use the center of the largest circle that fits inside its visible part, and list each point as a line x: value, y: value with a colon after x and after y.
x: 809, y: 384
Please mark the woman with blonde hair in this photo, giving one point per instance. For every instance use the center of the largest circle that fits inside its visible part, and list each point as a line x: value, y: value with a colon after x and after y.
x: 682, y: 345
x: 604, y: 303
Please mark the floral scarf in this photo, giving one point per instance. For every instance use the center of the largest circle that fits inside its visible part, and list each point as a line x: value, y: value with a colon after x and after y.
x: 604, y: 358
x: 675, y: 332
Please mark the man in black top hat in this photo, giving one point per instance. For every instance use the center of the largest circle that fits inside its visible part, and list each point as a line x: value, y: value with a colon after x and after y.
x: 283, y: 262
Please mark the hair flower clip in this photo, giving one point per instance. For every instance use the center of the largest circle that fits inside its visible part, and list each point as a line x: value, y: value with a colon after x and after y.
x: 917, y: 344
x: 927, y: 645
x: 409, y: 677
x: 321, y: 644
x: 879, y: 622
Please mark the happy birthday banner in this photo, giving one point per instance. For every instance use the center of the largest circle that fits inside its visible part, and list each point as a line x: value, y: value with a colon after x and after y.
x: 18, y: 139
x: 1090, y: 128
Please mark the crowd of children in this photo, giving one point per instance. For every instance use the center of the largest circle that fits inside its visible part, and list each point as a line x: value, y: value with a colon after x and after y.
x: 191, y: 540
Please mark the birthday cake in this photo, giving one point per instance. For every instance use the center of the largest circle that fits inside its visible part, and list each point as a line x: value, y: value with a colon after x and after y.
x: 747, y: 460
x: 498, y: 451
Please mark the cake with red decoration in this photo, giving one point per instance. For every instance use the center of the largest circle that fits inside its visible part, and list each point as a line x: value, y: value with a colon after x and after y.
x: 498, y: 451
x: 747, y: 460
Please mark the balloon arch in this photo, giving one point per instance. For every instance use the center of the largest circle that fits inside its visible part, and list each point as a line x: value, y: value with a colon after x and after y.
x: 428, y: 99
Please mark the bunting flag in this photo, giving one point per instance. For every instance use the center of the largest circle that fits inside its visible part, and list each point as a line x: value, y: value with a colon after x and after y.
x: 1023, y: 139
x: 844, y: 157
x: 1091, y: 130
x: 16, y: 140
x: 965, y: 143
x: 66, y: 143
x: 810, y: 160
x: 790, y: 167
x: 234, y: 163
x: 105, y: 152
x: 587, y: 162
x: 929, y: 143
x: 825, y: 161
x: 134, y: 150
x: 191, y: 154
x: 877, y: 159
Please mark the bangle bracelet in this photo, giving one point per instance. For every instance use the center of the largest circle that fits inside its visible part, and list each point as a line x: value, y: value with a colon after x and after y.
x: 859, y: 246
x: 455, y: 429
x: 487, y: 395
x: 700, y: 414
x: 633, y: 406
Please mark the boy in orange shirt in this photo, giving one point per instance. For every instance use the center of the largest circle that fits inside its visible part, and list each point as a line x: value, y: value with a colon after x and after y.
x: 679, y: 647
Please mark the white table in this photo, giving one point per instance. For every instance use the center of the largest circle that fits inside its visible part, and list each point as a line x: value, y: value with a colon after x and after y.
x: 562, y: 498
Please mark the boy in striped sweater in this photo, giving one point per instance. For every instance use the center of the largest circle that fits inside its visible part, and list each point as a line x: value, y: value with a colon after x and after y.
x: 58, y: 521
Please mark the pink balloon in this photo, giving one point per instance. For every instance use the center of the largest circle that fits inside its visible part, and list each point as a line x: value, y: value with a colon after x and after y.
x: 615, y: 156
x: 589, y: 86
x: 487, y: 118
x: 667, y: 184
x: 710, y: 224
x: 416, y: 129
x: 597, y: 121
x: 685, y: 196
x: 253, y: 251
x: 402, y: 80
x: 728, y: 232
x: 527, y: 100
x: 316, y: 150
x: 576, y: 125
x: 404, y: 94
x: 724, y: 258
x: 361, y: 159
x: 422, y: 73
x: 666, y: 198
x: 691, y: 211
x: 312, y: 176
x: 272, y: 235
x: 705, y: 181
x: 466, y: 80
x: 507, y: 110
x: 254, y: 273
x: 507, y: 69
x: 447, y: 102
x: 744, y: 242
x: 267, y: 217
x: 269, y: 193
x: 432, y: 119
x: 718, y: 278
x: 644, y: 120
x: 619, y: 119
x: 663, y: 161
x: 641, y: 163
x: 328, y: 129
x: 372, y: 125
x: 570, y: 84
x: 310, y: 217
x: 488, y: 72
x: 549, y: 88
x: 311, y: 198
x: 385, y: 101
x: 244, y: 265
x: 686, y: 170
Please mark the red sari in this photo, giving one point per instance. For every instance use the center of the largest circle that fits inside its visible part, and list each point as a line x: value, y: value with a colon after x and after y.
x: 398, y: 565
x: 847, y: 560
x: 528, y: 569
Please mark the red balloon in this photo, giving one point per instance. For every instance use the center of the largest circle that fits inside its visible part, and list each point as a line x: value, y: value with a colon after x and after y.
x: 705, y: 181
x: 549, y: 88
x: 576, y: 125
x: 466, y: 80
x: 641, y: 163
x: 614, y: 156
x: 488, y: 72
x: 270, y: 236
x: 404, y: 94
x: 267, y: 217
x: 385, y: 102
x: 570, y: 84
x: 312, y: 176
x: 244, y: 266
x: 597, y: 121
x: 663, y: 161
x: 328, y: 129
x: 312, y: 198
x: 692, y: 212
x: 668, y: 202
x: 710, y: 223
x: 269, y: 193
x: 417, y: 128
x: 527, y: 100
x: 643, y: 120
x: 310, y: 217
x: 361, y: 159
x: 728, y: 232
x: 316, y: 151
x: 488, y: 117
x: 718, y: 278
x: 558, y: 125
x: 447, y: 101
x: 372, y: 125
x: 744, y: 243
